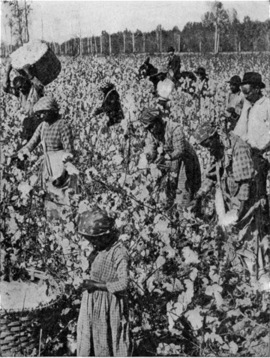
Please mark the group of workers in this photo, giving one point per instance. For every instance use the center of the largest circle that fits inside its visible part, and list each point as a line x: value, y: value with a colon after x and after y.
x: 238, y: 170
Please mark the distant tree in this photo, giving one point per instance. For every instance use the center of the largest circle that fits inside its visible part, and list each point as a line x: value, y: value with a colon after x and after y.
x: 17, y: 16
x: 219, y: 18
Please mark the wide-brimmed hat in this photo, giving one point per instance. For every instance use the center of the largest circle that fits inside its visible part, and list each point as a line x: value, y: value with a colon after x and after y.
x: 200, y: 71
x: 150, y: 116
x: 46, y: 103
x: 204, y: 131
x: 171, y: 49
x: 252, y: 78
x: 95, y: 222
x: 235, y: 80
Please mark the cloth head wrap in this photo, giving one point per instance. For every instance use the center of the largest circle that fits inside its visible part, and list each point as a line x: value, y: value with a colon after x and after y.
x: 20, y: 80
x: 106, y: 83
x: 46, y: 104
x: 95, y: 223
x: 150, y: 116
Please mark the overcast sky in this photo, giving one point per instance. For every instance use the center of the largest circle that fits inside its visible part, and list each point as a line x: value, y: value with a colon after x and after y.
x: 62, y: 19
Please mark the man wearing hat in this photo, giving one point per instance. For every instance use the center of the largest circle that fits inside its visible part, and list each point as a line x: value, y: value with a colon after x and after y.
x: 237, y: 181
x: 204, y: 86
x: 254, y: 123
x: 166, y: 145
x: 174, y: 65
x: 234, y: 101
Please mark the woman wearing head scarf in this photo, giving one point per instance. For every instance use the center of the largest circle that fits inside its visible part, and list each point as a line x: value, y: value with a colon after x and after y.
x: 177, y: 154
x: 56, y: 138
x: 103, y: 327
x: 28, y: 89
x: 111, y: 104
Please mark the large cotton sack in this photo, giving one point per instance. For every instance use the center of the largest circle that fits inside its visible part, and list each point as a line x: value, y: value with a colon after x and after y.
x: 45, y: 64
x: 164, y: 88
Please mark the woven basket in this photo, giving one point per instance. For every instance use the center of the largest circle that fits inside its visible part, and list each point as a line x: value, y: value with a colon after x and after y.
x: 21, y: 329
x: 46, y: 68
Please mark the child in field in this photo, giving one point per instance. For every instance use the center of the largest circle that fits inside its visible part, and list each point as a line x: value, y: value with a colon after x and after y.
x: 103, y: 327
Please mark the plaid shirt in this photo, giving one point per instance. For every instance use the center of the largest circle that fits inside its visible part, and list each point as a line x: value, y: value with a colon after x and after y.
x: 111, y: 267
x: 174, y: 139
x: 57, y: 136
x: 180, y: 151
x: 238, y: 172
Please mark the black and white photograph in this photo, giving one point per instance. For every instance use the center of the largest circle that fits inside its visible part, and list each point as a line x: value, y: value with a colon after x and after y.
x: 135, y: 178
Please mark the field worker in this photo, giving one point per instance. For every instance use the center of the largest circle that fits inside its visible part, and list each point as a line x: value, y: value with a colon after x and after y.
x: 234, y: 102
x: 204, y: 95
x: 111, y: 104
x: 184, y: 175
x: 205, y: 87
x: 103, y: 324
x: 174, y: 65
x: 56, y: 138
x: 254, y: 123
x: 243, y: 199
x: 28, y: 89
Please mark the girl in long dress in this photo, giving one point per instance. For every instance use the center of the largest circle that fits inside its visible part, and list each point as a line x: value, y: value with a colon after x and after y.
x: 103, y: 326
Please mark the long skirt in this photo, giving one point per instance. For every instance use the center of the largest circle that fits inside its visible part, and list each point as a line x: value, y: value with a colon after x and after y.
x: 103, y: 328
x: 57, y: 184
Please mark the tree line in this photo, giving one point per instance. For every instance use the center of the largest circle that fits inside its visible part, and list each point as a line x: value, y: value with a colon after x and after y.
x: 219, y: 31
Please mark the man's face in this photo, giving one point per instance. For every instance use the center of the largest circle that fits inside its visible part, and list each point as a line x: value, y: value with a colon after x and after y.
x: 170, y: 54
x: 251, y: 93
x: 234, y: 88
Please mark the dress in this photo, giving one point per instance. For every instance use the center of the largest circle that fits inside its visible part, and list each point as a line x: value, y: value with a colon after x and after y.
x: 184, y: 167
x: 57, y: 140
x: 103, y: 327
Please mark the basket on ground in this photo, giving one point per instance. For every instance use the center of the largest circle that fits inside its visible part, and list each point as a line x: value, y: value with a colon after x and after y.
x: 45, y: 64
x: 21, y: 329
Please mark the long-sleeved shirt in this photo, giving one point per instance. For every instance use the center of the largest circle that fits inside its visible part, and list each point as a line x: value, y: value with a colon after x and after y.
x: 179, y: 150
x: 111, y: 267
x: 27, y: 101
x: 236, y: 101
x: 57, y: 136
x: 254, y: 124
x: 237, y: 174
